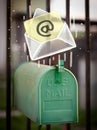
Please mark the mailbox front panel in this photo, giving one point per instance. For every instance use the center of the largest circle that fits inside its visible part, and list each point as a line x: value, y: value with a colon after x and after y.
x: 59, y: 97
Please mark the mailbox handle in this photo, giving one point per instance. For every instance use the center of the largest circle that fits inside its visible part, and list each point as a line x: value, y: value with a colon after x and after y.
x: 59, y: 70
x: 60, y: 66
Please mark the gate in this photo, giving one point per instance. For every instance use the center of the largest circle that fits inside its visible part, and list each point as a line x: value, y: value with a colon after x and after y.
x: 47, y: 61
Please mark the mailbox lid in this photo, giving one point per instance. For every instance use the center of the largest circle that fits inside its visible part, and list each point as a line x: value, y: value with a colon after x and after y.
x: 59, y: 97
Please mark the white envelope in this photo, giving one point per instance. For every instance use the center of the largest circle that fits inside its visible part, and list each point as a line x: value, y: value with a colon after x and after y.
x: 64, y: 41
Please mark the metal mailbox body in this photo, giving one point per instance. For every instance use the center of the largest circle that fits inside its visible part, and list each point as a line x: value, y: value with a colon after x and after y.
x: 46, y: 95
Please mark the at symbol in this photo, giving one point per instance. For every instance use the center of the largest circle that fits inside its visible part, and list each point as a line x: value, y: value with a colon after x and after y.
x: 44, y: 27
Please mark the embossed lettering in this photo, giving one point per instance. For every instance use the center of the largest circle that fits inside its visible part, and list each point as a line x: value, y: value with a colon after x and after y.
x: 57, y: 91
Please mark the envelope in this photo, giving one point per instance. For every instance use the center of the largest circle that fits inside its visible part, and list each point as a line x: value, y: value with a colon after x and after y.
x: 46, y: 35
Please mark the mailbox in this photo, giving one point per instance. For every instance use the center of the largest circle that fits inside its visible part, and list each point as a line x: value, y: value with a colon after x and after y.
x: 46, y: 94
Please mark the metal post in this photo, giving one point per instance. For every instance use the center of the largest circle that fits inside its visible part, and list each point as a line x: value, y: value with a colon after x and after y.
x: 28, y: 3
x: 67, y: 64
x: 48, y: 127
x: 8, y: 66
x: 88, y: 49
x: 39, y: 127
x: 28, y: 127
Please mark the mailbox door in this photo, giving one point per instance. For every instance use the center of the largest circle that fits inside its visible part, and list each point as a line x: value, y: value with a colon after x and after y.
x: 58, y: 99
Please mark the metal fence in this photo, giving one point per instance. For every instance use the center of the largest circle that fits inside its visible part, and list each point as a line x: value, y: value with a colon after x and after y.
x: 67, y: 64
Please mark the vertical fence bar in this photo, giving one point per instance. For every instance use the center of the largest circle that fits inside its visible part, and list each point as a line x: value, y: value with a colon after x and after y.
x: 48, y: 5
x: 88, y: 49
x: 48, y: 10
x: 68, y: 22
x: 8, y: 65
x: 28, y: 6
x: 67, y: 65
x: 68, y: 12
x: 48, y: 127
x: 28, y: 15
x: 28, y: 3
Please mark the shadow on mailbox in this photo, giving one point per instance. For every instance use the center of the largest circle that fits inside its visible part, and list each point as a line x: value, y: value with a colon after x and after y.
x: 46, y: 94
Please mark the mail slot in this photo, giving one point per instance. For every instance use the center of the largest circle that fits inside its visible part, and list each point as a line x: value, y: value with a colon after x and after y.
x: 46, y: 94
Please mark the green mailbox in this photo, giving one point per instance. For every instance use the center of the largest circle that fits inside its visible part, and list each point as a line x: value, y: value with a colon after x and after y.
x: 46, y: 94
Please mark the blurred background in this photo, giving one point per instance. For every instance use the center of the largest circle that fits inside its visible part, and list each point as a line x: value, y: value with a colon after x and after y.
x: 78, y: 66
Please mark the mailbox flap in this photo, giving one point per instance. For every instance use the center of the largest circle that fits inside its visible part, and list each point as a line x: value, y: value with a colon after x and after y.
x: 59, y: 100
